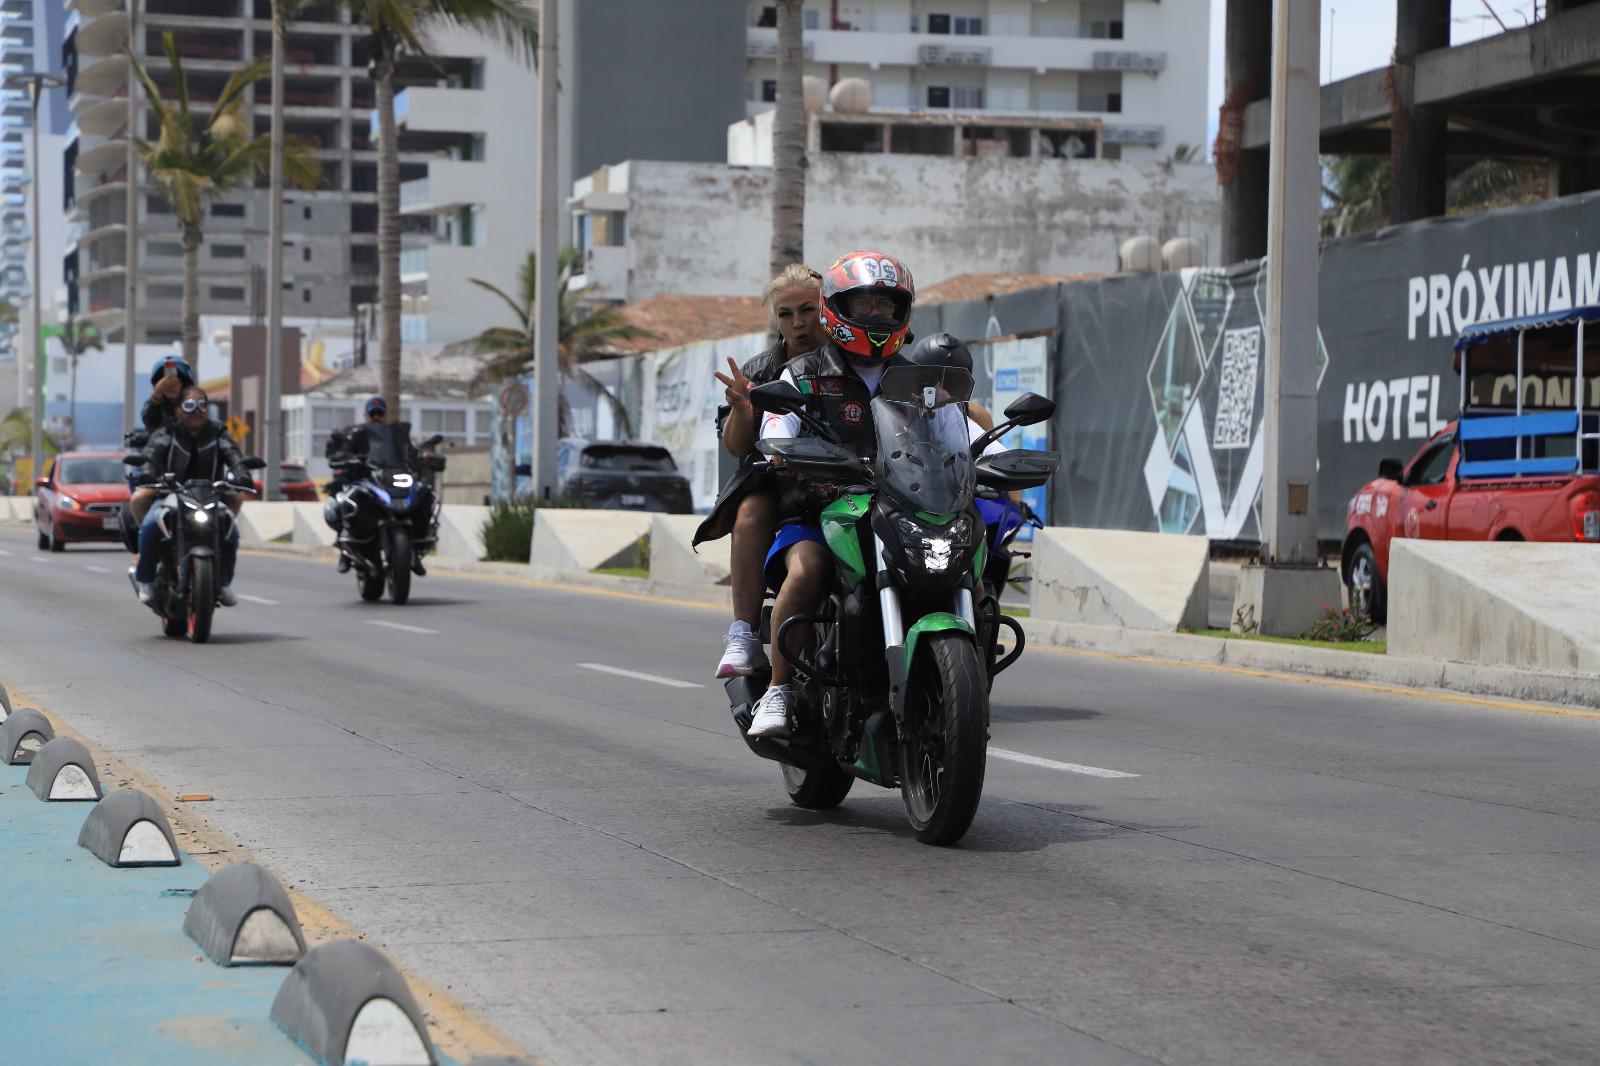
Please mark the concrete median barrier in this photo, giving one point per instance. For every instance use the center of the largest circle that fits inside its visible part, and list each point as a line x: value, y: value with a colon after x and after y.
x: 673, y: 557
x: 345, y: 1002
x: 63, y: 770
x: 9, y: 511
x: 586, y: 540
x: 262, y: 522
x: 22, y: 735
x: 128, y: 828
x: 1152, y: 581
x: 243, y: 917
x: 461, y: 531
x: 309, y: 527
x: 1525, y: 606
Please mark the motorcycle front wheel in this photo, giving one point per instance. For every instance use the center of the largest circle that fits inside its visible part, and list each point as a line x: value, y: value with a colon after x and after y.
x: 202, y: 600
x: 370, y: 584
x: 400, y: 566
x: 942, y: 759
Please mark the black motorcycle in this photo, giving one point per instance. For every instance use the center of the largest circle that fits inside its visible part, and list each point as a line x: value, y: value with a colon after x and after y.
x: 385, y: 515
x: 894, y: 685
x: 195, y: 521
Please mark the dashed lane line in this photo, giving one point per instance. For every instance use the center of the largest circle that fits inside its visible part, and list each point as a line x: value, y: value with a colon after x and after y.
x: 257, y: 599
x: 670, y: 682
x: 1051, y: 764
x: 401, y: 626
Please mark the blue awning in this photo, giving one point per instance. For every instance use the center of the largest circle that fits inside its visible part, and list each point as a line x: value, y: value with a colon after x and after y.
x: 1486, y: 331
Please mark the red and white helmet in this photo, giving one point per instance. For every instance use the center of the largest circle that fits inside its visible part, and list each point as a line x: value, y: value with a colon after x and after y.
x: 874, y: 338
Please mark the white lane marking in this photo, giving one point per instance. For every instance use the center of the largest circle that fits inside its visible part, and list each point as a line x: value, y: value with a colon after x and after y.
x: 4, y: 552
x: 1051, y: 764
x: 256, y: 599
x: 40, y: 558
x: 670, y: 682
x: 97, y: 569
x: 401, y: 625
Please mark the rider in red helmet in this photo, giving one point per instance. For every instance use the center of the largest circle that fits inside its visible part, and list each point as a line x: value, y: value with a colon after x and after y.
x: 866, y: 314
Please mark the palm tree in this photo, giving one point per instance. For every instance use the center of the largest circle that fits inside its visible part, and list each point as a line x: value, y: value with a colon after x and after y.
x: 16, y: 435
x: 78, y: 337
x: 199, y: 157
x: 397, y: 28
x: 510, y: 349
x: 789, y: 143
x: 1355, y: 193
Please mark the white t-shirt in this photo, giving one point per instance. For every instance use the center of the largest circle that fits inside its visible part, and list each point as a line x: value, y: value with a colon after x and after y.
x: 782, y: 426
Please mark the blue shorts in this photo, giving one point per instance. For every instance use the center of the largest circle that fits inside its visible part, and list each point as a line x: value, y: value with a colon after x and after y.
x: 1001, y: 516
x: 790, y: 533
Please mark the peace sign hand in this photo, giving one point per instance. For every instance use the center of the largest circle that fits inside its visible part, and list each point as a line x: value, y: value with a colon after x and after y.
x: 737, y: 386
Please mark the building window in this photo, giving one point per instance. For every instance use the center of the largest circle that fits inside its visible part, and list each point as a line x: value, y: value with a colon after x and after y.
x: 969, y: 27
x: 305, y: 255
x: 768, y: 16
x: 810, y: 19
x: 938, y: 96
x: 306, y: 213
x: 967, y: 97
x: 305, y: 296
x: 1111, y: 151
x: 938, y: 23
x: 227, y: 292
x: 451, y: 424
x: 227, y: 210
x: 769, y: 91
x: 227, y: 251
x: 481, y: 423
x: 171, y: 248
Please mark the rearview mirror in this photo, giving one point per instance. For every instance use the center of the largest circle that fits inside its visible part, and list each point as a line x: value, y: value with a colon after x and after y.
x: 1391, y: 469
x: 1030, y: 409
x: 42, y: 482
x: 434, y: 462
x: 136, y: 459
x: 777, y: 396
x: 433, y: 440
x: 253, y: 462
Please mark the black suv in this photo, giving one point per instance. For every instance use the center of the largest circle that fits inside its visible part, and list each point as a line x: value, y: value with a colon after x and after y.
x: 625, y: 475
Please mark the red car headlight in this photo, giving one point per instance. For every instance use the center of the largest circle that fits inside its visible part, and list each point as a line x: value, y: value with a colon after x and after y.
x: 69, y: 503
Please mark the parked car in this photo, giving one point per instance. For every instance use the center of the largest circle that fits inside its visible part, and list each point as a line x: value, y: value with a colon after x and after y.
x: 621, y: 475
x: 1500, y: 472
x: 80, y: 499
x: 294, y: 482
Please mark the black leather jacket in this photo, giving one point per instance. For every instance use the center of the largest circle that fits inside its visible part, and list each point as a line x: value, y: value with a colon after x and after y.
x: 209, y: 455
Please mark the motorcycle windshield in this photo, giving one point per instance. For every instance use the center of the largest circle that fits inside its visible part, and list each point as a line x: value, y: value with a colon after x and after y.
x: 386, y: 444
x: 924, y: 451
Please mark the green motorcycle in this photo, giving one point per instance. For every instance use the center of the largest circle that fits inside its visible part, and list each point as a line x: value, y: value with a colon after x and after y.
x: 893, y: 685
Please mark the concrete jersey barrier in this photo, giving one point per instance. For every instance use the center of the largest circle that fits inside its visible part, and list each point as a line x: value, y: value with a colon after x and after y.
x: 674, y: 559
x: 573, y: 539
x: 262, y: 522
x: 1153, y: 581
x: 1502, y: 603
x: 461, y: 531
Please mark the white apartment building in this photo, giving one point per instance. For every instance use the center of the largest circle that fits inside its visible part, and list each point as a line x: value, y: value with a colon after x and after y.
x: 1137, y: 66
x: 476, y: 129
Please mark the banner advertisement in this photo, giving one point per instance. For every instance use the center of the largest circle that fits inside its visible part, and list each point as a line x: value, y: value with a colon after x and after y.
x: 1020, y: 366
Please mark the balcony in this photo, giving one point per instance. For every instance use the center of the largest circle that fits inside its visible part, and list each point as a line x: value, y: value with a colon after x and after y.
x: 102, y: 37
x: 89, y: 9
x: 105, y: 116
x: 1037, y: 54
x: 423, y: 109
x: 451, y: 184
x: 97, y: 155
x: 100, y: 76
x: 605, y: 273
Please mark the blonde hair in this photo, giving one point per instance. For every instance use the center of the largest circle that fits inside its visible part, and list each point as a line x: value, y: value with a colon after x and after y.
x: 790, y: 276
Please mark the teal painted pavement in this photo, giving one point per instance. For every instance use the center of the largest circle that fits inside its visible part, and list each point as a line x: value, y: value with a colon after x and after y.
x: 96, y: 966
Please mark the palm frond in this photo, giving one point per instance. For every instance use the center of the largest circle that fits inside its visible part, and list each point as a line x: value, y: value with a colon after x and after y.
x: 510, y: 22
x: 524, y: 311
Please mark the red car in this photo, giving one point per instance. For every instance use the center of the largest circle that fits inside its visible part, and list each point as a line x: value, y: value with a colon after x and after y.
x: 80, y: 499
x: 294, y: 482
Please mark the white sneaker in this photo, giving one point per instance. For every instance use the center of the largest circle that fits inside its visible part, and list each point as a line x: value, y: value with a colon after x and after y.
x: 146, y: 591
x: 772, y: 713
x: 741, y: 654
x: 226, y: 597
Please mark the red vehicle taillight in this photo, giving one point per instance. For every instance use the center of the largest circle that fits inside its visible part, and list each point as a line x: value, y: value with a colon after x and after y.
x: 1586, y: 517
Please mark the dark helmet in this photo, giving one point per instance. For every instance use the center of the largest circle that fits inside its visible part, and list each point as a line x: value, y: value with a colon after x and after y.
x: 943, y: 350
x: 185, y: 374
x: 376, y: 406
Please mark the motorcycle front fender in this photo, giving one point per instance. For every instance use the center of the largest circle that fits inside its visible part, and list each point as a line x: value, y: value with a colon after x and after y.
x: 936, y: 622
x: 200, y: 551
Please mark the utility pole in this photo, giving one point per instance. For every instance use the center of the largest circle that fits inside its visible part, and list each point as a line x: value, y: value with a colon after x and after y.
x: 130, y: 257
x: 547, y: 376
x: 1287, y: 588
x: 273, y: 401
x: 36, y: 84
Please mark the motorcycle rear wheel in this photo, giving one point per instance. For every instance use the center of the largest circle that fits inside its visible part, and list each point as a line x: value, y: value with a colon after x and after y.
x: 816, y: 790
x: 400, y: 566
x: 942, y: 759
x: 202, y: 601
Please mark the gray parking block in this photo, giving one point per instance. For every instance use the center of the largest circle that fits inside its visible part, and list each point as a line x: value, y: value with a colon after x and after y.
x: 242, y: 916
x: 345, y: 1002
x: 128, y: 828
x: 64, y: 770
x: 24, y: 733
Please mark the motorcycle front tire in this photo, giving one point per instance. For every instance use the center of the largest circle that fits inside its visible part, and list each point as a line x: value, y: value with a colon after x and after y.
x: 202, y: 600
x: 942, y: 760
x: 400, y: 566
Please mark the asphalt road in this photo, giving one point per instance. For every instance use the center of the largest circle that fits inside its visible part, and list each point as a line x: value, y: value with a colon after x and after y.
x: 1298, y: 872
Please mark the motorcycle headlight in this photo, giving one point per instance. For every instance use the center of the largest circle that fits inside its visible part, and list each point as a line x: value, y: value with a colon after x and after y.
x: 200, y: 516
x: 934, y: 547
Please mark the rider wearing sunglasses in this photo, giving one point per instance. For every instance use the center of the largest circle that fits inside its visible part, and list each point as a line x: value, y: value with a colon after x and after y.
x: 195, y: 446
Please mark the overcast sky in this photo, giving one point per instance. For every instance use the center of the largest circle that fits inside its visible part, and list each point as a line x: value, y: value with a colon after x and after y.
x: 1358, y: 35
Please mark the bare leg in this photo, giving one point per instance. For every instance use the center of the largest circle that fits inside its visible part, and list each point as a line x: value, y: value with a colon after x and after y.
x: 753, y: 527
x: 803, y: 586
x: 139, y: 503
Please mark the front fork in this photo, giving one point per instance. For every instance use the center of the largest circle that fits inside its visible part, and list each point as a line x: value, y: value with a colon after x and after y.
x: 894, y: 627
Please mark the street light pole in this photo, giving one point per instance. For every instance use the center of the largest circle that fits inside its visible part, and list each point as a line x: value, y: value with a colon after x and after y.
x: 273, y: 401
x: 37, y: 83
x: 130, y: 256
x: 547, y: 379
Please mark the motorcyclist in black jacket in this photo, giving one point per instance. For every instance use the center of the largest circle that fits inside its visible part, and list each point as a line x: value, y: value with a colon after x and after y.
x: 195, y: 447
x: 376, y: 437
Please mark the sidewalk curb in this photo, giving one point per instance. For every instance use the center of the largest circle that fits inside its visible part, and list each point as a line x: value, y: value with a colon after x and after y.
x: 1465, y: 678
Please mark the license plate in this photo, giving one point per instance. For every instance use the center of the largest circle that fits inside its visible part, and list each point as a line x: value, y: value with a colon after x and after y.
x: 111, y: 523
x: 632, y: 499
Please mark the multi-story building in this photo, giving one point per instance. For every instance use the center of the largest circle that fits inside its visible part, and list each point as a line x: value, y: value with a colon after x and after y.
x: 330, y: 234
x: 1137, y: 66
x: 30, y: 41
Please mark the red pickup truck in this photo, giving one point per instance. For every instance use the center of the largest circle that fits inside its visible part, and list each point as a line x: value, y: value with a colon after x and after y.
x: 1428, y: 500
x: 1521, y: 463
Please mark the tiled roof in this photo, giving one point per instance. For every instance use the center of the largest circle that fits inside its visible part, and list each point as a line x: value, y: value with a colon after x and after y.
x: 979, y: 286
x: 432, y: 375
x: 676, y: 320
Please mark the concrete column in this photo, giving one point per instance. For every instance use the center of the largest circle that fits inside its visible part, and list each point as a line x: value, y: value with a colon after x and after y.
x: 1284, y: 595
x: 1417, y: 137
x: 1248, y: 70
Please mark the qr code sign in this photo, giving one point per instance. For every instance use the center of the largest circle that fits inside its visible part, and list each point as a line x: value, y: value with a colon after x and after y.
x: 1236, y: 390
